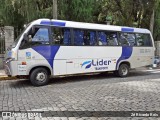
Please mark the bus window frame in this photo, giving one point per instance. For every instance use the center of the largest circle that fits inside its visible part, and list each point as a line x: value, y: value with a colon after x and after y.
x: 96, y: 30
x: 136, y: 38
x: 127, y: 39
x: 107, y: 44
x: 52, y: 34
x: 93, y: 30
x: 49, y: 31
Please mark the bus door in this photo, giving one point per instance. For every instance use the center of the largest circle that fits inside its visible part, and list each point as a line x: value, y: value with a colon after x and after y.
x: 83, y: 52
x: 34, y: 49
x: 62, y: 42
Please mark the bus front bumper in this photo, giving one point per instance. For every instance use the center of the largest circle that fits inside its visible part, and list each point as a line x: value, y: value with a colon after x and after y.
x: 7, y: 70
x: 10, y: 68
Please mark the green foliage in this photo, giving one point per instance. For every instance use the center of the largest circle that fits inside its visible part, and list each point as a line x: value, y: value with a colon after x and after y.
x: 124, y: 12
x: 157, y: 22
x: 19, y: 12
x: 128, y: 12
x: 76, y: 10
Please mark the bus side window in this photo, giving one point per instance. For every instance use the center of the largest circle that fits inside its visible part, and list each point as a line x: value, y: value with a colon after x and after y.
x: 61, y: 36
x: 93, y: 40
x: 90, y: 37
x: 147, y: 40
x: 112, y: 38
x: 131, y: 39
x: 67, y: 37
x: 143, y: 40
x: 41, y: 36
x: 124, y: 39
x: 102, y: 38
x: 78, y: 37
x: 86, y: 37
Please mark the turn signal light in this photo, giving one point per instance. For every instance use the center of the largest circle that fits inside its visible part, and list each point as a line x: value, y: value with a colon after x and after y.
x: 24, y: 63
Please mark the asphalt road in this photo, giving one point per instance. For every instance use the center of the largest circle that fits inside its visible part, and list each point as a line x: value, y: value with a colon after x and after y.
x: 140, y: 91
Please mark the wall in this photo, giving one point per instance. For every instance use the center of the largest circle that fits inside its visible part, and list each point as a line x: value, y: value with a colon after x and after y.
x: 157, y: 45
x: 1, y: 61
x: 8, y: 34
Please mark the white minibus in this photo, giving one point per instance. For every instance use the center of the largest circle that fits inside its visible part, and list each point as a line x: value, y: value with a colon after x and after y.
x: 61, y: 48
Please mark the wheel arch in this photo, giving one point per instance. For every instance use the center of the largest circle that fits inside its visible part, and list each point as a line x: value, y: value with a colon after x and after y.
x: 124, y: 62
x: 47, y: 68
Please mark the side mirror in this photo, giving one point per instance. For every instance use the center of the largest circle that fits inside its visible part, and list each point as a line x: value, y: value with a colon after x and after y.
x: 32, y: 30
x: 29, y: 38
x: 25, y: 37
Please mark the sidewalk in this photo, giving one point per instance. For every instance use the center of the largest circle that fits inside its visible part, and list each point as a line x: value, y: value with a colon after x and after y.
x: 2, y: 73
x: 3, y: 76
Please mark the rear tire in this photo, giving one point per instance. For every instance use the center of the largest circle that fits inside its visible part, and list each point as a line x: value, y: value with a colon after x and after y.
x: 123, y: 70
x: 39, y: 77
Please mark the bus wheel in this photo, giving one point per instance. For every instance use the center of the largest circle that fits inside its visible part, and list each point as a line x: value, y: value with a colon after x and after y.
x: 123, y: 70
x: 39, y: 77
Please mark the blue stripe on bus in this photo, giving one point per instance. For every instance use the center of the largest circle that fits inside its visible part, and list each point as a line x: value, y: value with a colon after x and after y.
x: 48, y: 52
x: 126, y: 54
x: 55, y: 23
x: 45, y: 22
x: 127, y: 29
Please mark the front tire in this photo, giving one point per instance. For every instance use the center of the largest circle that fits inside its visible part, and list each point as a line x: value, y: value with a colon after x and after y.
x: 123, y: 70
x: 39, y: 77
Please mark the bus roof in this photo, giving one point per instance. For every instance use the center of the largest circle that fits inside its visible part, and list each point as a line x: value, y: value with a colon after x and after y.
x: 82, y: 25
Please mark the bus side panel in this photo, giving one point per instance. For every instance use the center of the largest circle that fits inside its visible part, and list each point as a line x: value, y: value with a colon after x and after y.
x: 32, y: 59
x: 59, y: 67
x: 141, y: 56
x: 84, y: 59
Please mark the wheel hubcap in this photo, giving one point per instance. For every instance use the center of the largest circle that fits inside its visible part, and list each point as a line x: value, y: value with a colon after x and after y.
x: 41, y: 77
x: 124, y: 70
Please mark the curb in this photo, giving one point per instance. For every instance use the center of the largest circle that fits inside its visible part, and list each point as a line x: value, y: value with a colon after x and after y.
x: 7, y: 78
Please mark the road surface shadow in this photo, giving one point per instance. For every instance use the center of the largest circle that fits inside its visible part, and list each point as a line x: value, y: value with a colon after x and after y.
x: 110, y: 77
x: 134, y: 75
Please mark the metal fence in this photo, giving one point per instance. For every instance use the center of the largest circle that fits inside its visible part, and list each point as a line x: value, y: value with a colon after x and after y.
x: 2, y: 40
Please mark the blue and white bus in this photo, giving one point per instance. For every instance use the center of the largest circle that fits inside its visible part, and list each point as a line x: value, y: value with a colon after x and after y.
x: 60, y: 48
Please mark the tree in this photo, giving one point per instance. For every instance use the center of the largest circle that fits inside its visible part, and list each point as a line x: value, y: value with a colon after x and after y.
x: 127, y: 12
x: 156, y: 33
x: 55, y: 9
x: 76, y: 10
x: 124, y: 12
